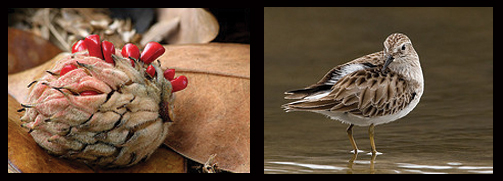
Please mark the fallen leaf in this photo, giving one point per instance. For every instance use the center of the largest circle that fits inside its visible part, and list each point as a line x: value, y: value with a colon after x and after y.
x: 24, y: 50
x: 213, y: 112
x: 196, y: 25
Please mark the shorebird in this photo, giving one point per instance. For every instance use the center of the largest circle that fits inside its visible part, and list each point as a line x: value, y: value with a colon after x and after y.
x: 374, y: 89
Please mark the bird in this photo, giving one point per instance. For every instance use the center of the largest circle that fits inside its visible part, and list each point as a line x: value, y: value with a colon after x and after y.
x: 374, y: 89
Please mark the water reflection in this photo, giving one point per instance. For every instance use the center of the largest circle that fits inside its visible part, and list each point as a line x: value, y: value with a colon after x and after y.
x: 372, y: 160
x: 369, y: 166
x: 310, y: 166
x: 437, y: 169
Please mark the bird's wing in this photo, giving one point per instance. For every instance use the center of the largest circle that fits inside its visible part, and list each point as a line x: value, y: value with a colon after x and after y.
x: 366, y: 92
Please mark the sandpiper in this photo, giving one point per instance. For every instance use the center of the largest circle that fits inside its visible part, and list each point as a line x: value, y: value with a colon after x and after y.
x: 374, y: 89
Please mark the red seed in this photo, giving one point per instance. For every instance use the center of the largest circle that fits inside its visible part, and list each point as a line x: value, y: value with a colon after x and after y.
x: 108, y: 50
x: 79, y: 46
x: 151, y: 52
x: 66, y: 69
x: 131, y: 50
x: 88, y: 93
x: 169, y: 74
x: 151, y: 70
x: 93, y: 45
x: 179, y: 83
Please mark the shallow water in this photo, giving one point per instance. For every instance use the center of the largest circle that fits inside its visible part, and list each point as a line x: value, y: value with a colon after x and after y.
x: 450, y: 130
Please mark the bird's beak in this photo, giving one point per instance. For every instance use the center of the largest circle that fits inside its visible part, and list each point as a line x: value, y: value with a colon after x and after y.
x: 389, y: 59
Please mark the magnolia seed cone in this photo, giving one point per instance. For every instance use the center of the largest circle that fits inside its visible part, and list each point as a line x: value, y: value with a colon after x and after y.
x: 99, y: 113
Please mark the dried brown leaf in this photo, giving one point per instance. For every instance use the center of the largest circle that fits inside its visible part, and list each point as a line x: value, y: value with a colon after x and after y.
x: 160, y: 30
x: 196, y: 25
x: 213, y: 112
x: 26, y: 50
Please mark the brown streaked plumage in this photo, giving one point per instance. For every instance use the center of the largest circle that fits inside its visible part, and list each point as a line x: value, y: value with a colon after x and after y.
x: 374, y: 89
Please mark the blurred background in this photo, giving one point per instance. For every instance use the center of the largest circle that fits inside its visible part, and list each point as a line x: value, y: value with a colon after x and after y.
x: 62, y: 27
x: 450, y: 130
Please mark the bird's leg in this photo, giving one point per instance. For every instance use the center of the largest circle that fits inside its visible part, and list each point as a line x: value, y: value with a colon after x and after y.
x: 371, y: 135
x: 350, y: 135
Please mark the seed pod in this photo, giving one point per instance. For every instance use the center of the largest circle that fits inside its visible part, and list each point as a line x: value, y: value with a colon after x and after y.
x: 101, y: 114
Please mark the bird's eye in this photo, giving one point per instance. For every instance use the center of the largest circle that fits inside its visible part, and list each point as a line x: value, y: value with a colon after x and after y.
x: 403, y: 47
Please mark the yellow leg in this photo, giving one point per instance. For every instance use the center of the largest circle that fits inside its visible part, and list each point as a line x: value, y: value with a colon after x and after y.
x: 350, y: 135
x: 371, y: 135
